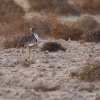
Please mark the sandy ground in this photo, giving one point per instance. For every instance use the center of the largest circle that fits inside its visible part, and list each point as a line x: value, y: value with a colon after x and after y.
x: 46, y: 75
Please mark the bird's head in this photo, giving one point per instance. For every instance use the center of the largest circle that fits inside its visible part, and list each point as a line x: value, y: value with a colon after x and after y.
x: 34, y: 33
x: 32, y: 30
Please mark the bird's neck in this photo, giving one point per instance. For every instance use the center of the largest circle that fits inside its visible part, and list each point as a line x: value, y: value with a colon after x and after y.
x: 32, y: 33
x: 35, y: 35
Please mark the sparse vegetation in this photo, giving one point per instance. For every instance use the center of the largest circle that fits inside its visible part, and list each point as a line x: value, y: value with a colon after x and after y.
x: 64, y: 7
x: 72, y: 30
x: 61, y: 7
x: 93, y: 37
x: 88, y: 6
x: 52, y: 47
x: 90, y: 72
x: 9, y: 11
x: 86, y: 28
x: 88, y: 22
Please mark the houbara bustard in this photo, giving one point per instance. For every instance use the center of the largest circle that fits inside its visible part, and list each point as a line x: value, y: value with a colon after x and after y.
x: 29, y: 40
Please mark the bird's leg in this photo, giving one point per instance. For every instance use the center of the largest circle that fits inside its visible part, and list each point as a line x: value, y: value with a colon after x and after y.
x: 29, y: 49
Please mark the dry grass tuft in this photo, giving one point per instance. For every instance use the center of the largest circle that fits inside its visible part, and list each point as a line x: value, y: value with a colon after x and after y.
x: 91, y: 28
x: 93, y: 37
x: 91, y: 72
x: 52, y: 47
x: 88, y: 22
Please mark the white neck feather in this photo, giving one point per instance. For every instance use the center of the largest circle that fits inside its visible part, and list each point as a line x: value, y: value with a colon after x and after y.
x: 35, y: 35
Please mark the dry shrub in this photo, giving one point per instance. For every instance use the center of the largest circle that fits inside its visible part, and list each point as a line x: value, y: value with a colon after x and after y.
x: 65, y: 30
x: 88, y: 6
x: 9, y: 12
x: 90, y: 72
x: 10, y: 17
x: 91, y: 27
x: 53, y: 6
x: 9, y: 8
x: 52, y: 47
x: 86, y: 28
x: 89, y: 22
x: 65, y: 7
x: 93, y: 37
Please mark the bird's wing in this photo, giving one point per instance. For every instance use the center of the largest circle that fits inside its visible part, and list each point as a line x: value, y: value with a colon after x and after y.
x: 22, y: 41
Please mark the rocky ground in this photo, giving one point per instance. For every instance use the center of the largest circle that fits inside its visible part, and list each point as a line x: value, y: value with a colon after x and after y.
x: 45, y: 75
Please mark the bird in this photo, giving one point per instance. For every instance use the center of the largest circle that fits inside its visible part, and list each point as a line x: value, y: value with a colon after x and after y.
x: 28, y: 40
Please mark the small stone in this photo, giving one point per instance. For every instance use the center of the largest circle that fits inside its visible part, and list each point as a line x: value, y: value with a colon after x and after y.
x: 88, y: 88
x: 97, y: 97
x: 51, y: 66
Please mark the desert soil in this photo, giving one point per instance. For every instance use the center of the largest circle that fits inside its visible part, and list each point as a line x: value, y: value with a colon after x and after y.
x: 45, y: 75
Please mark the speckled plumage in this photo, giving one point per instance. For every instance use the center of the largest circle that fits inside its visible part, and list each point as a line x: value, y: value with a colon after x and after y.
x: 27, y: 40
